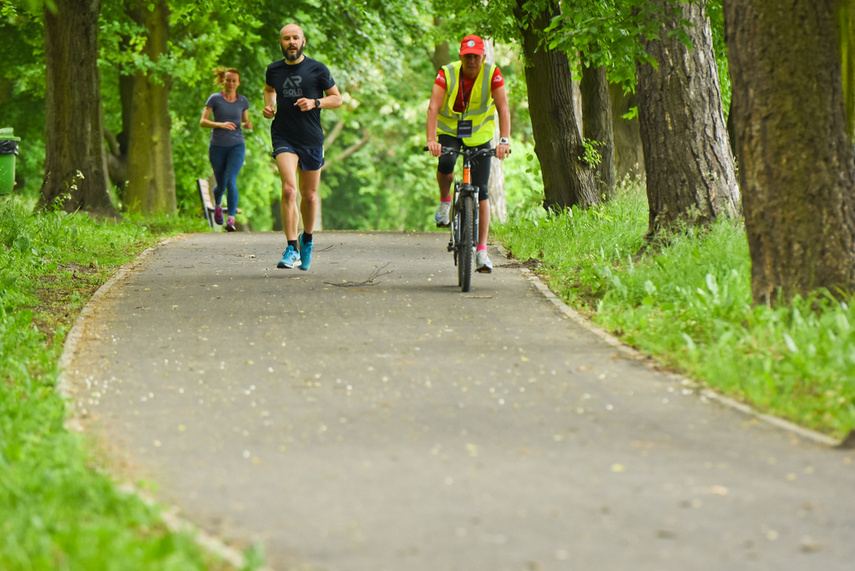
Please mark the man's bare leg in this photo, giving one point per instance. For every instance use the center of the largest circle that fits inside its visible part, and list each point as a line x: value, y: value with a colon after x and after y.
x: 287, y: 164
x: 309, y: 181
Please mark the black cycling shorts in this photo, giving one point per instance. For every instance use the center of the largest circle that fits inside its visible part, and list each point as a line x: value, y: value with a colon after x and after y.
x: 480, y: 172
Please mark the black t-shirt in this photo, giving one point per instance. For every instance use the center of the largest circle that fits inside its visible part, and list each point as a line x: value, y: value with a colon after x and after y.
x: 309, y: 78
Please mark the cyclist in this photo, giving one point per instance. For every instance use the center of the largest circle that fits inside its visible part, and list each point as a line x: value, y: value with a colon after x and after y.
x: 463, y: 103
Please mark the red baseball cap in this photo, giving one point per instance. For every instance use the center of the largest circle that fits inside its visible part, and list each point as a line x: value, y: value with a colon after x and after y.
x: 472, y: 45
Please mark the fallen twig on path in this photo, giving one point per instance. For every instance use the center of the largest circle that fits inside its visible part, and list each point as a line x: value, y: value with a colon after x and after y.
x: 370, y: 281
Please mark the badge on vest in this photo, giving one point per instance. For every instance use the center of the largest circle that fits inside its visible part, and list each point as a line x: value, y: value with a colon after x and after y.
x: 464, y: 129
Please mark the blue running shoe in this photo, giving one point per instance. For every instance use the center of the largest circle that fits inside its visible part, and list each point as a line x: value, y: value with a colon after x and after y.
x: 305, y: 253
x: 289, y: 257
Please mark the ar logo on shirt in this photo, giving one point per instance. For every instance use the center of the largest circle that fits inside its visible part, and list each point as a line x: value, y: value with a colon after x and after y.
x: 291, y: 86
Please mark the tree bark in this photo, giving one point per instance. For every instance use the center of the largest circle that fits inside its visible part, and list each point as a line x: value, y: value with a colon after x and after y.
x: 629, y: 152
x: 797, y: 167
x: 689, y: 166
x: 845, y: 12
x: 567, y: 180
x: 151, y: 176
x: 597, y: 125
x: 117, y: 150
x: 75, y: 157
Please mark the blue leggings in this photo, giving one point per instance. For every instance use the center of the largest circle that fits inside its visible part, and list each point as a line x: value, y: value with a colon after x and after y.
x: 227, y: 162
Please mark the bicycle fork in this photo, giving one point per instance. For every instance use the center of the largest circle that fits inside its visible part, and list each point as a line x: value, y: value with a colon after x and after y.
x: 452, y: 239
x: 457, y: 205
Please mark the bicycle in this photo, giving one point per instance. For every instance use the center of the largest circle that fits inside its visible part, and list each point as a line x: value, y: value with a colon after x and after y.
x: 464, y: 215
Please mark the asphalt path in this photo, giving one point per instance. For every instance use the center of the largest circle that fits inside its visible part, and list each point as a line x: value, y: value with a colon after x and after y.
x: 367, y: 415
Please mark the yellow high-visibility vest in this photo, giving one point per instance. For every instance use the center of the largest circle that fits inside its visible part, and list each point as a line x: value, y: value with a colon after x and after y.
x: 481, y: 109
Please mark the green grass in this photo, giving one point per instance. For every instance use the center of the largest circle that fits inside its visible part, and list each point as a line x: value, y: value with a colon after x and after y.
x: 689, y: 305
x: 59, y: 511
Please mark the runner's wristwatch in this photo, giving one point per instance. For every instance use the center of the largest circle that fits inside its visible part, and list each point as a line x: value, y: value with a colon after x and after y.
x: 317, y: 103
x: 504, y: 141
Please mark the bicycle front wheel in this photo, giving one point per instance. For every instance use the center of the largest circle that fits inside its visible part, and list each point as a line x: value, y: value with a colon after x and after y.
x: 467, y: 243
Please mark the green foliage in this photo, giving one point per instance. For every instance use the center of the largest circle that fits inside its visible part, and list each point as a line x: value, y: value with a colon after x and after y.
x: 523, y: 182
x: 22, y: 91
x: 591, y: 156
x: 597, y: 32
x: 689, y: 304
x: 379, y: 54
x: 210, y: 44
x: 367, y: 193
x: 380, y: 94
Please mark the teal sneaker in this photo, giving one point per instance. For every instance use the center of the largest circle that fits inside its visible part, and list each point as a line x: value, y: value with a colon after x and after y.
x: 305, y: 253
x: 289, y: 257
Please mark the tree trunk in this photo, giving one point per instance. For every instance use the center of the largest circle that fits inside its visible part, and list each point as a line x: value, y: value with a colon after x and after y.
x: 796, y: 170
x: 731, y: 134
x: 629, y: 153
x: 846, y: 34
x: 151, y: 177
x: 75, y: 157
x: 567, y: 180
x: 688, y: 162
x: 597, y: 125
x: 117, y: 151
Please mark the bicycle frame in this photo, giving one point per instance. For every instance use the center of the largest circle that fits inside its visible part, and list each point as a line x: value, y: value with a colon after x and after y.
x: 464, y: 215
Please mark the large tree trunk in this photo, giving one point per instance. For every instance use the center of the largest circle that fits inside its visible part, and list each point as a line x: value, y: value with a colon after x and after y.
x: 597, y: 124
x: 796, y: 168
x: 567, y: 180
x: 687, y: 157
x: 75, y: 158
x: 151, y: 177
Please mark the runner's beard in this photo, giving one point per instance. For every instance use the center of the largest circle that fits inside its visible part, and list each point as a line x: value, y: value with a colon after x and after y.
x: 294, y: 57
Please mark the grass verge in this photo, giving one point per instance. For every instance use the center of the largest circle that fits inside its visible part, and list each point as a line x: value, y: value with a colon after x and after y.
x: 60, y: 511
x: 689, y: 305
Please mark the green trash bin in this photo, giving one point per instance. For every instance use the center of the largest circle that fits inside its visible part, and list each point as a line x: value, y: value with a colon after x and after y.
x: 8, y: 152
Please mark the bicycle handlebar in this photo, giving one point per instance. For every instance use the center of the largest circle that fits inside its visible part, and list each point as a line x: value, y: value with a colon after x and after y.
x: 467, y: 151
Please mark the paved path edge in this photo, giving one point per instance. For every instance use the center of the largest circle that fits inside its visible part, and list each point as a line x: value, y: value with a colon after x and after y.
x: 234, y: 557
x: 170, y: 513
x: 702, y: 388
